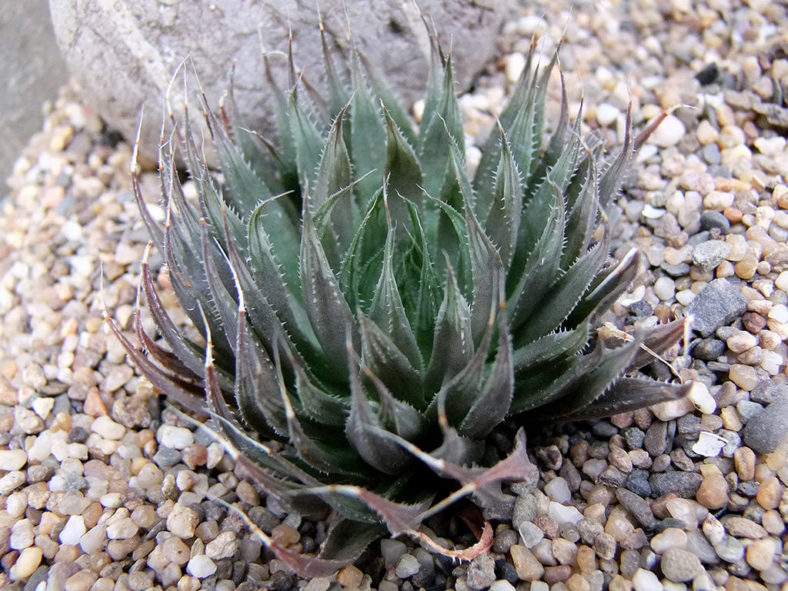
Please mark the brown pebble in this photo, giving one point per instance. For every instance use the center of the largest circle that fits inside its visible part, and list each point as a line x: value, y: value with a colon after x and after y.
x: 773, y: 522
x: 619, y: 583
x: 753, y: 322
x: 94, y: 405
x: 526, y: 565
x: 350, y: 577
x: 769, y: 493
x: 586, y: 558
x: 247, y: 493
x: 195, y: 455
x: 760, y: 554
x: 713, y: 491
x: 285, y: 535
x: 578, y: 582
x: 557, y: 574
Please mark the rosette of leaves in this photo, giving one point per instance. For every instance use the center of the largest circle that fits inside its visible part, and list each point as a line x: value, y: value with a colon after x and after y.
x: 372, y: 313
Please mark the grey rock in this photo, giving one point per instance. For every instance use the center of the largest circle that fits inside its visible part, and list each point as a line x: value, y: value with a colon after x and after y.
x: 124, y: 55
x: 684, y: 484
x: 730, y: 549
x: 700, y: 547
x: 481, y: 572
x: 679, y: 566
x: 747, y: 409
x: 166, y: 457
x: 656, y: 441
x: 708, y: 255
x: 711, y: 153
x: 634, y: 437
x: 767, y: 391
x: 638, y: 506
x: 637, y: 482
x: 716, y: 305
x: 38, y: 576
x: 767, y: 429
x: 524, y: 510
x: 640, y: 309
x: 32, y: 70
x: 709, y: 349
x: 679, y: 270
x: 715, y: 219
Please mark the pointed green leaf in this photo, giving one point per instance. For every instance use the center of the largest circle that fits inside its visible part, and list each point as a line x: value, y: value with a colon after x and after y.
x: 503, y: 219
x: 402, y: 170
x: 492, y: 404
x: 387, y: 310
x: 363, y: 428
x: 445, y: 123
x: 307, y: 140
x: 549, y: 349
x: 390, y: 364
x: 564, y: 294
x: 453, y: 339
x: 368, y: 137
x: 256, y: 385
x: 325, y: 304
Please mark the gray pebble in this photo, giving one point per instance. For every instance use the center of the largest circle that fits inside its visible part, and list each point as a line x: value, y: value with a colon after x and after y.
x: 715, y: 219
x: 656, y: 441
x: 711, y: 153
x: 407, y: 566
x: 766, y: 430
x: 718, y: 304
x: 634, y: 437
x: 637, y: 482
x: 638, y: 506
x: 747, y: 409
x: 700, y: 547
x: 680, y: 566
x: 684, y: 484
x: 709, y: 349
x: 524, y: 510
x: 481, y: 572
x: 166, y: 457
x: 730, y: 549
x: 767, y: 391
x: 708, y: 255
x: 680, y: 270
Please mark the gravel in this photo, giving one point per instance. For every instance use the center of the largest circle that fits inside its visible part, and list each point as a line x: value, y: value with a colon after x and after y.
x: 101, y: 489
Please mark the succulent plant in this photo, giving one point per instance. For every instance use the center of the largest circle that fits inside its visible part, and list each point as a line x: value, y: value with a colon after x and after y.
x: 372, y: 314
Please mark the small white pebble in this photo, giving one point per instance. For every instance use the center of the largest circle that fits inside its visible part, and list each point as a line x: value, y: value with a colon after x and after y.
x: 73, y: 530
x: 174, y: 437
x: 665, y: 288
x: 685, y: 296
x: 564, y: 513
x: 12, y: 459
x: 606, y: 114
x: 669, y: 132
x: 515, y: 62
x: 43, y: 406
x: 645, y: 580
x: 201, y: 566
x: 701, y: 398
x: 652, y: 213
x: 782, y: 281
x: 779, y: 313
x: 107, y: 428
